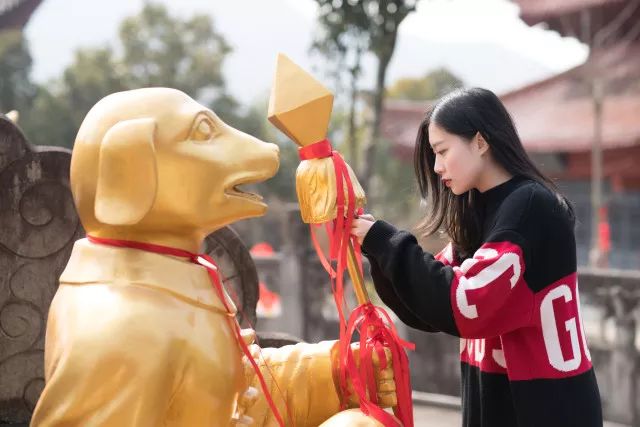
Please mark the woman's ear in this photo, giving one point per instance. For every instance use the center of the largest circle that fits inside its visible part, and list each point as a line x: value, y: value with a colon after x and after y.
x: 481, y: 143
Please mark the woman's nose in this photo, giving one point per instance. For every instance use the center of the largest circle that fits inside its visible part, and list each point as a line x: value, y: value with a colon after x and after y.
x: 437, y: 167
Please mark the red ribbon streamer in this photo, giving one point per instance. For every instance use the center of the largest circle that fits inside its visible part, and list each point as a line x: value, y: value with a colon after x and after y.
x: 376, y: 332
x: 373, y: 323
x: 207, y: 262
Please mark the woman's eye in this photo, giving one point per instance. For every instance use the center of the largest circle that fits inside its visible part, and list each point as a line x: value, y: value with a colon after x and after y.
x: 442, y: 152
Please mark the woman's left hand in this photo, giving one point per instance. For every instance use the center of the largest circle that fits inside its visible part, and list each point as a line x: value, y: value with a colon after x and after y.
x: 361, y: 225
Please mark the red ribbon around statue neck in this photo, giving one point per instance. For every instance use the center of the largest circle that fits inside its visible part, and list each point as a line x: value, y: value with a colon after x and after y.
x: 212, y: 268
x: 373, y: 323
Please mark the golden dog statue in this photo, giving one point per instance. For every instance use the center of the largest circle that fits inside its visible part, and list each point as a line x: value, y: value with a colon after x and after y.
x: 136, y: 338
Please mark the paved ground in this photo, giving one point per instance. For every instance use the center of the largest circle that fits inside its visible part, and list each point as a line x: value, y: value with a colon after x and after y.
x: 431, y: 416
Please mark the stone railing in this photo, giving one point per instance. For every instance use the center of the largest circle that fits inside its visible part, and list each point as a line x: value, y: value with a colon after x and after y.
x: 38, y: 226
x: 613, y: 297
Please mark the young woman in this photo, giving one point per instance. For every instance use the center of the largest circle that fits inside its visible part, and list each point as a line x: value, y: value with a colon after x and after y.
x: 506, y: 283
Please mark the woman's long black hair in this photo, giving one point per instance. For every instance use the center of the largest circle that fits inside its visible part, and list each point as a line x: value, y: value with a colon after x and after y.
x: 467, y: 112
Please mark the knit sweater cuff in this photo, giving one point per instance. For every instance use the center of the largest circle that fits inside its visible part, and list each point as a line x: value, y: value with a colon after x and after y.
x: 377, y: 239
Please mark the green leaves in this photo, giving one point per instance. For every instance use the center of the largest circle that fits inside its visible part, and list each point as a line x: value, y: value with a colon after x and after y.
x: 432, y: 85
x: 154, y: 49
x: 348, y: 29
x: 159, y: 50
x: 16, y: 89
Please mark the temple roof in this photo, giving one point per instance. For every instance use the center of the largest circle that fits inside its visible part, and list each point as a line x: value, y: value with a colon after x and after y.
x: 535, y: 11
x: 14, y: 14
x: 617, y: 18
x: 556, y: 114
x: 399, y: 123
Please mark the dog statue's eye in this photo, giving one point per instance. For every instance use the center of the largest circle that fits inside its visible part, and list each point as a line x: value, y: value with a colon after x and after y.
x: 203, y: 131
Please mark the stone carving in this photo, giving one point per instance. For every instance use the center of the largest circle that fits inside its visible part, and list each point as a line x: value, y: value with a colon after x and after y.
x: 240, y: 277
x: 38, y: 225
x: 622, y: 304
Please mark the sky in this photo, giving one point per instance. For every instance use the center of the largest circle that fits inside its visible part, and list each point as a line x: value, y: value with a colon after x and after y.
x: 482, y: 41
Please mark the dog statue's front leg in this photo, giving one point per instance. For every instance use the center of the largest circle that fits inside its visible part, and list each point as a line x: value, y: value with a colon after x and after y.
x: 302, y: 381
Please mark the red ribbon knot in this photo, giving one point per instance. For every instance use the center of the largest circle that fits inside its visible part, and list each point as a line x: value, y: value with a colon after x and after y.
x: 317, y: 150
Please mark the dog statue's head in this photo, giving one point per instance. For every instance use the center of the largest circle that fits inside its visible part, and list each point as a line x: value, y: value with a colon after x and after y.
x: 156, y: 161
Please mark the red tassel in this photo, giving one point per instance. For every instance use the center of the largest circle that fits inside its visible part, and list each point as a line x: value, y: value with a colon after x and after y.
x: 376, y: 332
x: 374, y: 324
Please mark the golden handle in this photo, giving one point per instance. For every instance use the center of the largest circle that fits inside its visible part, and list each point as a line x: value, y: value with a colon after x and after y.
x: 356, y: 276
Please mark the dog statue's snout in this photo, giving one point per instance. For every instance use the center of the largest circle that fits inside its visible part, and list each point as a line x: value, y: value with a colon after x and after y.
x: 269, y: 151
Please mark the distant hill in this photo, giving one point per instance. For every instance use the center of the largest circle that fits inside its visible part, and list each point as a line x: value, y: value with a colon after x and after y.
x: 477, y: 64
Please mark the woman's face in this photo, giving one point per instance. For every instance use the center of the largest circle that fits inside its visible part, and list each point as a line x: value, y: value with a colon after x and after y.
x: 459, y: 162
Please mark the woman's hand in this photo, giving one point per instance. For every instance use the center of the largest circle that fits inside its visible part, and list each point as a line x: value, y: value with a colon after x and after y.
x: 361, y: 225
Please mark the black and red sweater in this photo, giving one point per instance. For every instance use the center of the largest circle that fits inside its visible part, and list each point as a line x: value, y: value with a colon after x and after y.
x: 515, y: 305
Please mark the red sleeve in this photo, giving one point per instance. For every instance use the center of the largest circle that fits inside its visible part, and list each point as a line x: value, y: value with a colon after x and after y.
x: 489, y: 295
x: 446, y: 256
x: 483, y: 297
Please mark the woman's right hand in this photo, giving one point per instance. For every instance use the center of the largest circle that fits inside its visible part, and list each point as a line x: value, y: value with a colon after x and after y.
x: 361, y: 225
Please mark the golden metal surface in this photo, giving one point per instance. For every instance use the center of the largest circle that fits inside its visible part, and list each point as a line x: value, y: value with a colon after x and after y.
x: 136, y: 338
x: 300, y: 107
x: 356, y: 276
x: 317, y: 190
x: 296, y: 91
x: 154, y: 165
x: 351, y: 418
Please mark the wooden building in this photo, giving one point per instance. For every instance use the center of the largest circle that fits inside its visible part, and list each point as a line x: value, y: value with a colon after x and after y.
x: 561, y: 117
x: 14, y: 14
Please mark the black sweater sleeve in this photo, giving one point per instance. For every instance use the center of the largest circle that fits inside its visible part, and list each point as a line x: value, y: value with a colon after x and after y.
x: 407, y: 268
x: 486, y: 296
x: 388, y: 295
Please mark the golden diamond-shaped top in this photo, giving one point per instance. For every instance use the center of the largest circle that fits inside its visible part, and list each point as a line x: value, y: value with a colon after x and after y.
x: 300, y: 106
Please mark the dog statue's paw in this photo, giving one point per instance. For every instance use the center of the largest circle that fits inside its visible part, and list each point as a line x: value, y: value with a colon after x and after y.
x: 241, y: 420
x: 246, y: 401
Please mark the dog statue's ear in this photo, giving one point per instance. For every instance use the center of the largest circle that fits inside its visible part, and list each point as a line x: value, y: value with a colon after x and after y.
x: 127, y: 175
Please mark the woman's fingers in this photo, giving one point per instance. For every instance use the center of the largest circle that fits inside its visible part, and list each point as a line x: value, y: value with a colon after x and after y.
x: 360, y: 227
x: 368, y: 217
